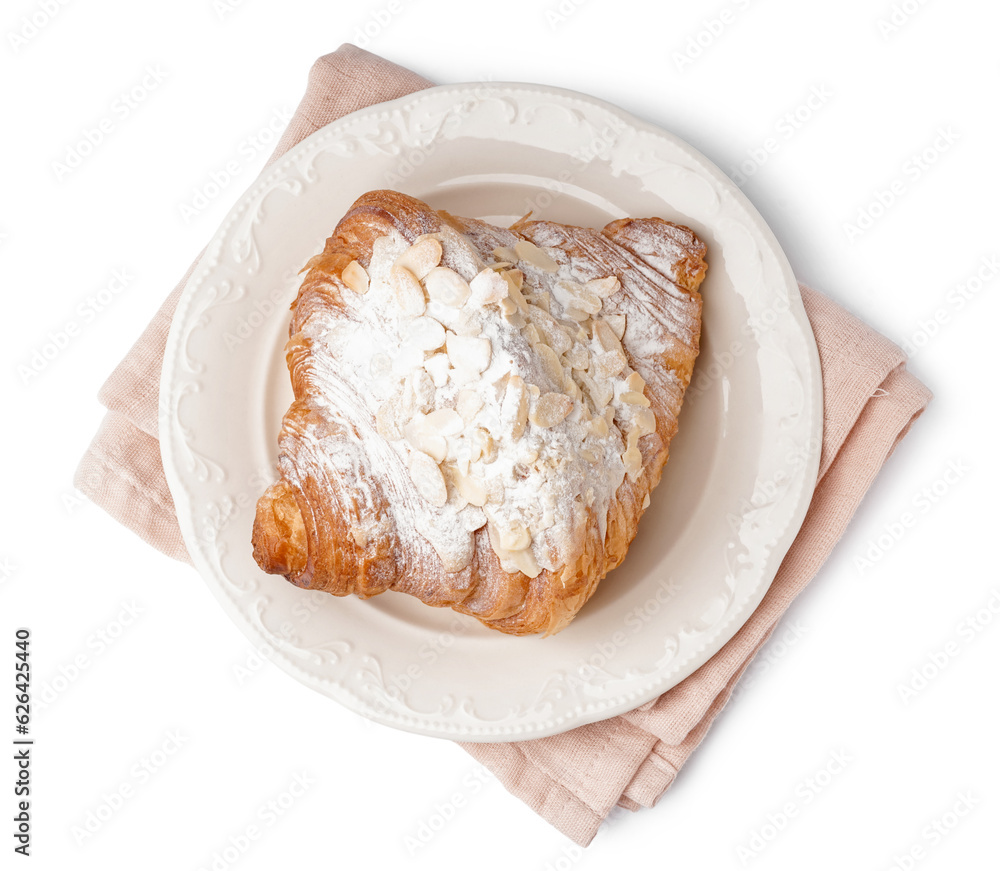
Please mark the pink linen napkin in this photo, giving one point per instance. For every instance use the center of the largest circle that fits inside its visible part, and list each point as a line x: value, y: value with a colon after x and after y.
x: 574, y: 779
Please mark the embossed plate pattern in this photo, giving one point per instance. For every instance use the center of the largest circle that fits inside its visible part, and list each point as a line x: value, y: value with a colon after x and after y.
x: 734, y: 493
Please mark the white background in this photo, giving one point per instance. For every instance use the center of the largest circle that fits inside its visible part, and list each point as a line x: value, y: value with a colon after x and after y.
x: 897, y: 80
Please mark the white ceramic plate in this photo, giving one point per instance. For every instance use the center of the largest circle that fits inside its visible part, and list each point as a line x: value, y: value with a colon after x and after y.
x: 734, y: 493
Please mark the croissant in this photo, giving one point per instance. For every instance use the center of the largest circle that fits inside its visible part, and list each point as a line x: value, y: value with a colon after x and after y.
x: 479, y: 413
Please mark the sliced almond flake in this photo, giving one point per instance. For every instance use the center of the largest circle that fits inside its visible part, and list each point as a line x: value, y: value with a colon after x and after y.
x: 531, y: 253
x: 516, y: 320
x: 532, y: 335
x: 588, y: 302
x: 599, y: 427
x: 524, y: 561
x: 438, y: 366
x: 605, y: 336
x: 635, y: 382
x: 604, y: 287
x: 632, y: 397
x: 500, y: 386
x: 484, y: 443
x: 511, y: 534
x: 467, y: 404
x: 617, y: 324
x: 514, y: 291
x: 422, y: 389
x: 469, y: 352
x: 421, y: 257
x: 425, y: 440
x: 551, y: 409
x: 355, y: 277
x: 473, y: 518
x: 571, y: 388
x: 445, y: 421
x: 577, y: 357
x: 505, y: 253
x: 387, y: 421
x: 554, y: 334
x: 606, y: 366
x: 427, y: 478
x: 472, y: 490
x: 550, y: 362
x: 468, y: 323
x: 447, y: 286
x: 633, y: 463
x: 514, y: 410
x: 600, y: 393
x: 645, y: 502
x: 409, y: 293
x: 425, y: 333
x: 455, y: 559
x: 645, y: 421
x: 488, y: 287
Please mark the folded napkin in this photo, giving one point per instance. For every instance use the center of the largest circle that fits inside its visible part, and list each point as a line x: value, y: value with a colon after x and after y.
x: 574, y: 779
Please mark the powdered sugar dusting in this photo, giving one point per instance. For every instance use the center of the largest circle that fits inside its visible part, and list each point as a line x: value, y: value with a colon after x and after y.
x: 503, y: 397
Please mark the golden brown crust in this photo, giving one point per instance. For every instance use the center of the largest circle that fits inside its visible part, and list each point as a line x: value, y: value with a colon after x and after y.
x: 315, y: 526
